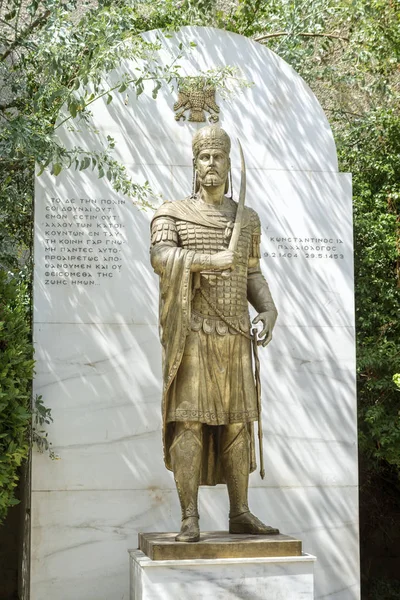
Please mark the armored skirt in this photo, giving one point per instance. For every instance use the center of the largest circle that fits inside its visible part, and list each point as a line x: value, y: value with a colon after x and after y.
x: 215, y: 381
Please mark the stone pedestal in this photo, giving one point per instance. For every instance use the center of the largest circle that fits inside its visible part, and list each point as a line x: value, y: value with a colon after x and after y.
x: 218, y: 544
x: 289, y: 577
x: 221, y: 566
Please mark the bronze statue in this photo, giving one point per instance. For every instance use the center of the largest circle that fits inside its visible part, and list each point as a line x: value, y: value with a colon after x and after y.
x: 209, y: 395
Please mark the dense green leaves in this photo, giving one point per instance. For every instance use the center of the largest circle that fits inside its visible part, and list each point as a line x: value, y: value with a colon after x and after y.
x: 16, y: 368
x: 370, y: 148
x: 54, y: 60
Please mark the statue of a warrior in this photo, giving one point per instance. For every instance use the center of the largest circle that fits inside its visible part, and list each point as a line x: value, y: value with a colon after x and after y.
x: 209, y: 394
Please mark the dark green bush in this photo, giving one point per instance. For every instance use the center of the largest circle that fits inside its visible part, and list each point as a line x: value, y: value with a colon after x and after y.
x: 16, y: 370
x: 370, y: 149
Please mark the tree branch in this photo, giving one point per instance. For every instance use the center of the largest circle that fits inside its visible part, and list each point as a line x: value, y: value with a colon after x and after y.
x: 36, y: 23
x: 302, y: 34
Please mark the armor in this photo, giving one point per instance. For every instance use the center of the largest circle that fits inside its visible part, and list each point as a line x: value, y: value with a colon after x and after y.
x: 229, y: 294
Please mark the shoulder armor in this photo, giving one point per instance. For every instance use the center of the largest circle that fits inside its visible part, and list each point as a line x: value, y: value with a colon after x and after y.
x: 163, y: 229
x: 254, y: 221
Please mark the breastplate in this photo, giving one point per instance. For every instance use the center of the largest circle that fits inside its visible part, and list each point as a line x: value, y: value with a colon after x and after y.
x: 228, y: 294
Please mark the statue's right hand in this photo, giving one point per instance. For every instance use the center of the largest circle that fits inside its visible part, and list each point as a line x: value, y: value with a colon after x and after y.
x: 224, y: 260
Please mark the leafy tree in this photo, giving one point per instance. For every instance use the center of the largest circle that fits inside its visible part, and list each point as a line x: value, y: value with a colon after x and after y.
x: 54, y: 67
x: 372, y: 151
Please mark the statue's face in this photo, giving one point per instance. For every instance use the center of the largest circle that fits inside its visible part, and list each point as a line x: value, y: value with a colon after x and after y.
x: 212, y: 166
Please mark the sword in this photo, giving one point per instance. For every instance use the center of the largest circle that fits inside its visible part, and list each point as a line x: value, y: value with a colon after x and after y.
x: 232, y: 246
x: 240, y: 209
x: 258, y: 394
x: 237, y: 227
x: 242, y: 197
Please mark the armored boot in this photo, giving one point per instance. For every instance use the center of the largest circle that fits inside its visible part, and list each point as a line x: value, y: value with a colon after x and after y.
x: 186, y: 452
x: 236, y: 460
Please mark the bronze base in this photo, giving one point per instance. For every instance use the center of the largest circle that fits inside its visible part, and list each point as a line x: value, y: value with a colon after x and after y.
x: 218, y: 544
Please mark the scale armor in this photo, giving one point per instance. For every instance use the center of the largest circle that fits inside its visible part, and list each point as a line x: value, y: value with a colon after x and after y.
x: 228, y: 294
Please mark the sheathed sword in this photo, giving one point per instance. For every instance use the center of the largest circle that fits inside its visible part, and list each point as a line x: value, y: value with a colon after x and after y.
x: 254, y: 342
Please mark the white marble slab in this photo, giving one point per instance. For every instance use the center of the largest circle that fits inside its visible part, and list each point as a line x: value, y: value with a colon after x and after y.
x: 103, y: 383
x: 85, y: 535
x: 98, y: 271
x: 92, y: 266
x: 99, y: 358
x: 227, y: 579
x: 81, y: 541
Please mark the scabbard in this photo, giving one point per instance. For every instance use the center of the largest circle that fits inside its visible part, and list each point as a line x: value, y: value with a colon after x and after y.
x: 258, y: 393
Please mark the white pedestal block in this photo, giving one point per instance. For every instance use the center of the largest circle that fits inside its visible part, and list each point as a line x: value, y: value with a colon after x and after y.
x: 285, y: 578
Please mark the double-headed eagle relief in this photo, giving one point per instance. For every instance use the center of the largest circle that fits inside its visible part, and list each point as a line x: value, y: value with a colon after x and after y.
x: 196, y: 96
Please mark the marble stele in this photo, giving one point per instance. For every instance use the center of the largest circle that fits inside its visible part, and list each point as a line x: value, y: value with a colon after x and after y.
x: 97, y: 347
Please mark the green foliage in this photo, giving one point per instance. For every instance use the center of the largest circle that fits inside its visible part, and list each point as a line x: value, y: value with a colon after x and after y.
x: 370, y: 148
x: 40, y: 437
x: 16, y: 369
x: 53, y: 61
x: 16, y: 216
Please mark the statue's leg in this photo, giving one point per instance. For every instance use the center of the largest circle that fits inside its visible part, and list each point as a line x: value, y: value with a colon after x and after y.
x: 186, y: 453
x: 236, y: 461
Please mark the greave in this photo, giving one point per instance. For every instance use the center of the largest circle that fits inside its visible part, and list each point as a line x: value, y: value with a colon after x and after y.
x: 186, y: 453
x: 236, y: 461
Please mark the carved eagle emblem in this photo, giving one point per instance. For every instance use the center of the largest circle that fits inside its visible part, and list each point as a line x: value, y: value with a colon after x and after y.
x: 197, y: 97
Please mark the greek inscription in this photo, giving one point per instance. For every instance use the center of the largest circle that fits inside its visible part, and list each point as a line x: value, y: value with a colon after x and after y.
x: 310, y: 248
x: 83, y: 243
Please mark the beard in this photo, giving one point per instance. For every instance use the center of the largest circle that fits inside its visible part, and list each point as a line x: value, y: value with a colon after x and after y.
x: 212, y: 179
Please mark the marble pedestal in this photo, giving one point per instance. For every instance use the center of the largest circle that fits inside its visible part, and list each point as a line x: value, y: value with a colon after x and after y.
x: 289, y: 578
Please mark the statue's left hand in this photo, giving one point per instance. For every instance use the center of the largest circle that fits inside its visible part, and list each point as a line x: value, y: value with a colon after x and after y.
x: 268, y: 320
